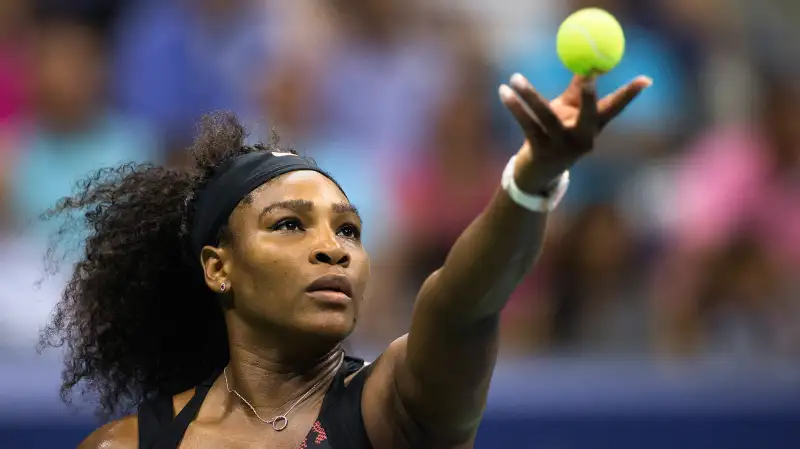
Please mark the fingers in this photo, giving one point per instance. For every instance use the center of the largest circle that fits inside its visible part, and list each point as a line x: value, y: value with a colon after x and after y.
x: 540, y: 122
x: 533, y: 130
x: 614, y: 103
x: 587, y: 115
x: 572, y: 94
x: 538, y: 105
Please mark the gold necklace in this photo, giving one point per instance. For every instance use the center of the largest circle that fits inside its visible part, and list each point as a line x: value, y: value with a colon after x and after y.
x: 280, y: 422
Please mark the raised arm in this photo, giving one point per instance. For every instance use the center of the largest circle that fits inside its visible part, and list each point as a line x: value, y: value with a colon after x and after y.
x: 441, y: 370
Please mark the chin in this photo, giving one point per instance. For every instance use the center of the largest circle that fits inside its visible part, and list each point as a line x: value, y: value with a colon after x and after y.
x: 328, y: 325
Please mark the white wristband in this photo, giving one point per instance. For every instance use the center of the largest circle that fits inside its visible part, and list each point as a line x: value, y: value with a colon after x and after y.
x: 534, y: 203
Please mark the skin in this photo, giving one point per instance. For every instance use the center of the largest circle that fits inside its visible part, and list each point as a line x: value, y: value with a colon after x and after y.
x: 429, y: 387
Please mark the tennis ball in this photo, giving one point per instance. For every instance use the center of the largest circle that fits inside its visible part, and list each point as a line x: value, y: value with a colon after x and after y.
x: 590, y: 41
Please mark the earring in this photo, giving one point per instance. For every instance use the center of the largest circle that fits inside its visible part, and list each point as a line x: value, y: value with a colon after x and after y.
x: 222, y: 287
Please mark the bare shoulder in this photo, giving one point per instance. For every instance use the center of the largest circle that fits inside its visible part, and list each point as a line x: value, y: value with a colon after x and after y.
x: 382, y: 370
x: 384, y: 365
x: 385, y: 418
x: 120, y: 434
x: 124, y: 433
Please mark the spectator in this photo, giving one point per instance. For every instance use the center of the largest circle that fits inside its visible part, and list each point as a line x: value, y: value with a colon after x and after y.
x: 175, y: 60
x: 734, y: 180
x: 745, y: 176
x: 383, y: 79
x: 742, y: 305
x: 443, y: 188
x: 72, y: 131
x: 14, y: 52
x: 286, y: 99
x: 595, y: 293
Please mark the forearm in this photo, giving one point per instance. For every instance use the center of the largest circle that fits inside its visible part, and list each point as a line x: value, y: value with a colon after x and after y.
x: 455, y: 323
x: 490, y: 257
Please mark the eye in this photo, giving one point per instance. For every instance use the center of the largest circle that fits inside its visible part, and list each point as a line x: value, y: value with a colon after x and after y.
x: 350, y: 231
x: 288, y: 224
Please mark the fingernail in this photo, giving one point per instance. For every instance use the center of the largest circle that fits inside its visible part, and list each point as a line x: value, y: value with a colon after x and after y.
x: 647, y: 81
x: 505, y: 92
x: 518, y: 80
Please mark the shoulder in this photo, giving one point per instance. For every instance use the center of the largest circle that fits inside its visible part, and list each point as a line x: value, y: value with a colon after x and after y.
x: 388, y: 422
x: 385, y: 418
x: 124, y: 433
x: 120, y: 434
x: 386, y: 363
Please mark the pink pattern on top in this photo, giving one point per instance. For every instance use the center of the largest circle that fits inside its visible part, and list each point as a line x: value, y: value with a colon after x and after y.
x: 316, y: 438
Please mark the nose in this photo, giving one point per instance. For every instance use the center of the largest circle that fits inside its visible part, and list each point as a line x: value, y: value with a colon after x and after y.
x: 332, y: 255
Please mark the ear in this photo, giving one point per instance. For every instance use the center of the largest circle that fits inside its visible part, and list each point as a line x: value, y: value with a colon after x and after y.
x: 214, y: 261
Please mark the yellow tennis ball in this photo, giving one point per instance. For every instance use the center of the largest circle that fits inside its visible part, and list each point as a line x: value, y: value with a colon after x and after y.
x: 590, y: 41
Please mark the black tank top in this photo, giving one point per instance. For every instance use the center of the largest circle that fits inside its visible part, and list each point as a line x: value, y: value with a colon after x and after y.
x: 340, y: 424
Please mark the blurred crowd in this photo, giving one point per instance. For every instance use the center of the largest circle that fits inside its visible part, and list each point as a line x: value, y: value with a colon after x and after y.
x: 680, y: 235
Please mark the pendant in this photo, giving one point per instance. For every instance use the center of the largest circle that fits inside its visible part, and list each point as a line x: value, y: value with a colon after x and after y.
x: 280, y: 423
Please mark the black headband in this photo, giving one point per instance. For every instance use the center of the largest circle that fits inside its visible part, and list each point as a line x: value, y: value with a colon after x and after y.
x: 233, y: 181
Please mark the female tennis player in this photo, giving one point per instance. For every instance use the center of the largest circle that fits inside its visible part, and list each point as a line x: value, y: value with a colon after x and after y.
x: 216, y: 298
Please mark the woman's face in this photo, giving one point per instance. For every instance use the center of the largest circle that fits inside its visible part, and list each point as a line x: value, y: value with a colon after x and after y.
x: 294, y: 233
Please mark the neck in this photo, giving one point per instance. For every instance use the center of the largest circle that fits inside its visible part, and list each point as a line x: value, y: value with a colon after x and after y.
x: 272, y: 379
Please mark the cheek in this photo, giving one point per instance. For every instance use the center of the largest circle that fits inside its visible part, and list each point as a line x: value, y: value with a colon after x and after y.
x: 361, y: 275
x: 266, y: 272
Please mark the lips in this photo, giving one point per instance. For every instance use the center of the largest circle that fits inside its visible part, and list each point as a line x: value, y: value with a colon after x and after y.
x: 332, y: 283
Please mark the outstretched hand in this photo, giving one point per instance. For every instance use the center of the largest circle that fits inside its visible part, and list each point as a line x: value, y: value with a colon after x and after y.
x: 559, y: 132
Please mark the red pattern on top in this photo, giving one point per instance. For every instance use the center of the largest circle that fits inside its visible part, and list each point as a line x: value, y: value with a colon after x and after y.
x: 316, y: 438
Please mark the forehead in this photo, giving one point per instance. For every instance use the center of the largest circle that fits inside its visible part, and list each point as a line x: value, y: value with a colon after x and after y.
x: 298, y: 185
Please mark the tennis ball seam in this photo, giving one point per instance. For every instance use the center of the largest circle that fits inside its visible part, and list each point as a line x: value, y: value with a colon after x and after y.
x: 586, y: 34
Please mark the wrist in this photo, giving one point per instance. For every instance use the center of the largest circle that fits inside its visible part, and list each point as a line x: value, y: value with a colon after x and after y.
x: 534, y: 202
x: 530, y: 178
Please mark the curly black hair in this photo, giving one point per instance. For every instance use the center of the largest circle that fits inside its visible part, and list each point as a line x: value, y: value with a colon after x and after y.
x: 136, y: 317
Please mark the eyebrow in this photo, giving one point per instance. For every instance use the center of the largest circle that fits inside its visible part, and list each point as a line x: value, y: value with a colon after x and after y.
x: 307, y: 206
